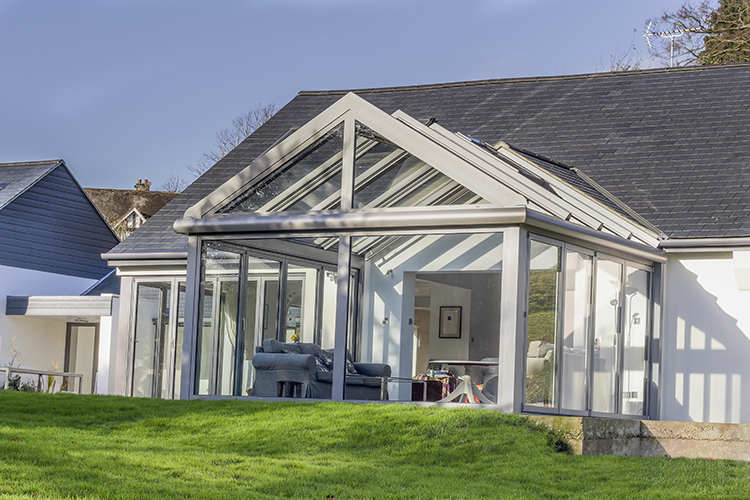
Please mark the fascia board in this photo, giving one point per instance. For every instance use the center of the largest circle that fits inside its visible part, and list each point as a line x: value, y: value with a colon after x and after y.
x: 273, y: 158
x: 496, y: 170
x: 428, y: 149
x: 588, y: 235
x: 74, y: 305
x: 611, y: 219
x: 345, y: 222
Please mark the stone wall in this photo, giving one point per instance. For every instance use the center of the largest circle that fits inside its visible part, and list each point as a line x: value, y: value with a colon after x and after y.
x: 647, y: 438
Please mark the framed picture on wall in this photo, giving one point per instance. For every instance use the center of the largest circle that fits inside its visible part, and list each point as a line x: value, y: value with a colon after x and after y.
x: 450, y: 322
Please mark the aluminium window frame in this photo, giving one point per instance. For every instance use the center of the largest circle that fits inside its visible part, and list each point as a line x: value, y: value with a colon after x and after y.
x: 596, y: 255
x: 173, y: 319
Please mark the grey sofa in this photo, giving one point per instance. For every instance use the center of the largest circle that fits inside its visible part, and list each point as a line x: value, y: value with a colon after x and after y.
x: 309, y: 368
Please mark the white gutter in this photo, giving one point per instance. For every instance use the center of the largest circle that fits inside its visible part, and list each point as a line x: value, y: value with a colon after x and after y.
x: 414, y: 219
x: 704, y: 244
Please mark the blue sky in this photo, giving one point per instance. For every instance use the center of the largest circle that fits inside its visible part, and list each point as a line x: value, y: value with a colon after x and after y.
x: 129, y: 89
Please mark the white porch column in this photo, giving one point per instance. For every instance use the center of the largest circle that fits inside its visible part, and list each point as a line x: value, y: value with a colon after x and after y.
x: 512, y: 320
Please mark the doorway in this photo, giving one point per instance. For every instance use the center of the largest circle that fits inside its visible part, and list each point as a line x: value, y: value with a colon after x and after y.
x: 81, y: 356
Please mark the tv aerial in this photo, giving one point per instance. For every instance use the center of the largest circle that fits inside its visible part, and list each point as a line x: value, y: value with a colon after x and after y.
x: 665, y: 34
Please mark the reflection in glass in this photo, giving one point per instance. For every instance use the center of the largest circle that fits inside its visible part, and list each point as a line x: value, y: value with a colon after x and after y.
x: 151, y: 338
x: 219, y: 332
x: 261, y: 311
x: 634, y: 340
x: 606, y: 329
x: 301, y: 290
x: 302, y: 183
x: 178, y: 342
x: 328, y: 312
x: 544, y: 278
x: 575, y: 334
x: 81, y: 356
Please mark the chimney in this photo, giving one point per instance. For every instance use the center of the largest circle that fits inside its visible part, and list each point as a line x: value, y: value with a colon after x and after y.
x: 142, y: 186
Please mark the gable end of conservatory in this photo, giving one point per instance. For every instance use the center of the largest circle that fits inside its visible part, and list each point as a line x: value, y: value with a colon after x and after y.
x: 454, y: 171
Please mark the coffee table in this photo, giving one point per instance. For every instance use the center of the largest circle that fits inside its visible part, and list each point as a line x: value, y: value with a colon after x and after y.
x: 466, y: 388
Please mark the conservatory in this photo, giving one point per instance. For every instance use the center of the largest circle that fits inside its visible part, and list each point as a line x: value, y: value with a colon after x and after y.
x: 377, y: 257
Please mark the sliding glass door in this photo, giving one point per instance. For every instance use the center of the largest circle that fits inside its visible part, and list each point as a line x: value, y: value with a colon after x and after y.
x: 250, y: 294
x: 587, y: 332
x: 156, y: 347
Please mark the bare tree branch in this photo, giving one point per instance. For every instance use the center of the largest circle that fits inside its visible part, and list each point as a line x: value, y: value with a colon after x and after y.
x: 713, y: 32
x: 173, y: 184
x: 229, y: 138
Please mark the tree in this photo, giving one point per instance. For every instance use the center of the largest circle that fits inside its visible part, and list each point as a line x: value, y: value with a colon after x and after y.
x: 229, y: 138
x: 626, y: 60
x: 173, y: 184
x: 706, y: 33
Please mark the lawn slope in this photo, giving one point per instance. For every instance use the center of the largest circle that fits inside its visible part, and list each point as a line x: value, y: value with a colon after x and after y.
x: 67, y: 446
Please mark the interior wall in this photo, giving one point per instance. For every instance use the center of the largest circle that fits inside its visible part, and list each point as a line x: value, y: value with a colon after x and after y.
x: 389, y: 286
x: 451, y: 296
x: 483, y: 329
x: 706, y: 341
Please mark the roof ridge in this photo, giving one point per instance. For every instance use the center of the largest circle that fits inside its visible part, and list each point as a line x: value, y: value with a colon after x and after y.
x: 39, y: 162
x: 468, y: 83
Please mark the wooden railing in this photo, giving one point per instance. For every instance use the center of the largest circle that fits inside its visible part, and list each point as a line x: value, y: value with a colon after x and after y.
x: 9, y: 370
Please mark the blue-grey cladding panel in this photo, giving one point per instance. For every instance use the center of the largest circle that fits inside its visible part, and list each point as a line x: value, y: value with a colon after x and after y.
x: 53, y: 227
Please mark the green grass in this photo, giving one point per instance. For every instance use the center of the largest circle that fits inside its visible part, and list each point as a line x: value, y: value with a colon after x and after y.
x: 67, y: 446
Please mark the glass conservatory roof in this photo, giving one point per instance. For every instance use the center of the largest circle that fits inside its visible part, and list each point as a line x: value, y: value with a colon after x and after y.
x: 385, y: 176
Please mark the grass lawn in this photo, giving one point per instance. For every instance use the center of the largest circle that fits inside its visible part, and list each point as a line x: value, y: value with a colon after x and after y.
x: 68, y: 446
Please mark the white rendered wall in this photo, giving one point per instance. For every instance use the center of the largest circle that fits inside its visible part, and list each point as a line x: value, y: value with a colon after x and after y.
x: 40, y: 341
x: 388, y: 297
x: 706, y: 341
x: 107, y: 331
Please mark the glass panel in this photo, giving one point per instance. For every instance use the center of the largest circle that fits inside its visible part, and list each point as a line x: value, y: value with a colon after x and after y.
x: 312, y: 180
x: 280, y: 367
x: 219, y: 332
x: 634, y: 343
x: 151, y: 339
x: 544, y: 278
x: 301, y: 290
x: 430, y: 310
x: 204, y: 339
x: 575, y: 334
x: 81, y: 357
x: 178, y: 341
x: 608, y: 310
x: 387, y: 176
x: 270, y: 288
x: 328, y: 312
x: 261, y: 310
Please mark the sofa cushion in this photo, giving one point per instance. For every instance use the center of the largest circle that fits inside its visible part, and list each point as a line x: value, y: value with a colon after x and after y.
x: 328, y: 378
x: 328, y: 353
x: 274, y: 346
x: 313, y: 349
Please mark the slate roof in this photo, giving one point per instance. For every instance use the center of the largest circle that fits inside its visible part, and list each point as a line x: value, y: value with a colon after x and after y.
x: 15, y: 178
x: 673, y: 144
x: 108, y: 284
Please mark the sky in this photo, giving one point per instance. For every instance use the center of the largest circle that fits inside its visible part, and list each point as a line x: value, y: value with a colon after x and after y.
x: 137, y: 89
